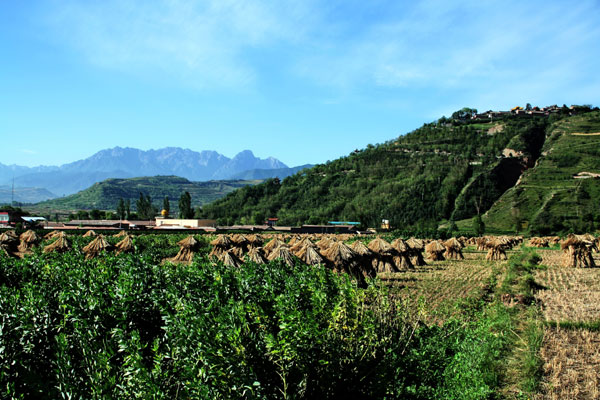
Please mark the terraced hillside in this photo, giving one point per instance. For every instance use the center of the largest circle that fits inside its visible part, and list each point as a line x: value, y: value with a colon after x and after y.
x: 561, y: 191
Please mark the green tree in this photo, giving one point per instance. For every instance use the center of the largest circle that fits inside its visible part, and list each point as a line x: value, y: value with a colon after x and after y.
x: 478, y: 225
x: 95, y: 214
x: 121, y: 209
x: 128, y: 208
x: 145, y: 209
x: 82, y: 214
x: 166, y: 204
x: 185, y: 206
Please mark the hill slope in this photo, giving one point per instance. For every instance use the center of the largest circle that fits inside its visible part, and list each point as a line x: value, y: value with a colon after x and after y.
x: 438, y: 172
x: 106, y: 194
x: 562, y: 191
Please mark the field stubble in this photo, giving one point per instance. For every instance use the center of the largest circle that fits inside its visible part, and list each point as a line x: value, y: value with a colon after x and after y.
x: 441, y: 284
x: 571, y: 360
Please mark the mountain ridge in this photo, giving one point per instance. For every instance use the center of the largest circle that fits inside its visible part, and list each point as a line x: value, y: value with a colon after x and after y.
x: 127, y: 162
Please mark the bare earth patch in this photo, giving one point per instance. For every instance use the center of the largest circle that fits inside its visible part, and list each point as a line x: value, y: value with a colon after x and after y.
x: 571, y: 364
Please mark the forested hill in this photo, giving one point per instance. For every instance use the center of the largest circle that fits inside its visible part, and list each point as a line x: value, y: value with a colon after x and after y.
x: 446, y: 170
x: 106, y: 194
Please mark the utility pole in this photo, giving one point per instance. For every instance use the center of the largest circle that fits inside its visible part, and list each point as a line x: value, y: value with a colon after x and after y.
x: 12, y: 195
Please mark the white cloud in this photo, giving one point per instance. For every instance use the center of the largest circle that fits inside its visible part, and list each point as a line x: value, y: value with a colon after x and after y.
x: 343, y: 45
x: 202, y: 43
x: 466, y: 45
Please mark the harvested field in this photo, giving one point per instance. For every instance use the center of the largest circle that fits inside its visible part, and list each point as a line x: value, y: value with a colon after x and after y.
x: 441, y: 284
x: 571, y: 361
x: 571, y: 364
x: 574, y: 306
x: 569, y: 294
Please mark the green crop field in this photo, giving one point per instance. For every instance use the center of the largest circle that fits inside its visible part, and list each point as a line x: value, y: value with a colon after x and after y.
x: 136, y: 325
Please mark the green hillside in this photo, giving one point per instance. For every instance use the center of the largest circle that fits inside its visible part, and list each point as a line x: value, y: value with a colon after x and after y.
x: 446, y: 170
x: 556, y: 195
x: 106, y: 194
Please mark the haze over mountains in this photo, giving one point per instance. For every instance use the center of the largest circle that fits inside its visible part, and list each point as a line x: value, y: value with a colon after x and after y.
x: 128, y: 162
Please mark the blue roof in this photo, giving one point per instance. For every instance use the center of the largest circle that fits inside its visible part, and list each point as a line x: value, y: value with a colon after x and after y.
x: 343, y: 223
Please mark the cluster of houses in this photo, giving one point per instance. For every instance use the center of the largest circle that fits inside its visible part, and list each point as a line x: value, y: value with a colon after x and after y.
x: 520, y: 111
x: 9, y: 220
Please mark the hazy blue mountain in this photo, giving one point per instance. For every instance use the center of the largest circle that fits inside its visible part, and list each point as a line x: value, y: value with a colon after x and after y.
x: 24, y: 195
x: 7, y: 172
x: 127, y: 162
x: 280, y: 173
x: 244, y: 161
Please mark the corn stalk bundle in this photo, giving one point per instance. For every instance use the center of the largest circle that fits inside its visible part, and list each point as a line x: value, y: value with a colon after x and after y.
x: 29, y: 237
x: 8, y: 243
x: 255, y: 255
x: 120, y: 234
x: 310, y: 256
x: 90, y: 233
x: 481, y: 243
x: 125, y: 245
x: 383, y: 256
x: 324, y: 243
x: 416, y: 247
x: 60, y: 245
x: 344, y: 259
x: 435, y: 250
x: 538, y: 242
x: 554, y: 240
x: 5, y: 250
x: 591, y: 239
x: 384, y: 263
x: 240, y: 241
x: 216, y: 252
x: 380, y: 246
x: 8, y: 239
x: 184, y: 255
x: 300, y: 245
x: 230, y: 259
x: 361, y: 249
x: 189, y: 242
x: 402, y: 256
x: 222, y: 241
x: 577, y: 252
x: 453, y: 249
x: 340, y: 255
x: 96, y: 246
x: 255, y: 240
x: 282, y: 252
x: 237, y: 251
x: 295, y: 239
x: 496, y: 249
x: 51, y: 235
x: 12, y: 234
x: 274, y: 244
x: 28, y: 240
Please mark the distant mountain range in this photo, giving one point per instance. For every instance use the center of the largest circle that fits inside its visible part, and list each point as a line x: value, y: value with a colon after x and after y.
x: 128, y: 162
x: 280, y: 173
x: 23, y: 195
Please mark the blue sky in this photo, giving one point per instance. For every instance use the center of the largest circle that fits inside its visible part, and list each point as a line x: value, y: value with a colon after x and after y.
x: 304, y: 81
